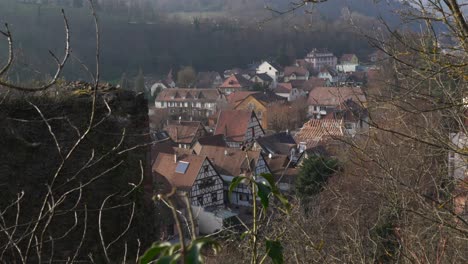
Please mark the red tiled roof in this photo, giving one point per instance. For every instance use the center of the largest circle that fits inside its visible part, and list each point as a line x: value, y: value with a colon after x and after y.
x: 230, y: 161
x: 188, y: 95
x: 313, y: 82
x: 184, y: 132
x: 334, y: 96
x: 233, y: 124
x: 237, y: 96
x: 235, y: 81
x: 299, y: 71
x: 316, y: 130
x: 165, y: 166
x: 283, y: 88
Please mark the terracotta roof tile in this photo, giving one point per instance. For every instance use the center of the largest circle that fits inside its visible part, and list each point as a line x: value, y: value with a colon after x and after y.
x: 334, y: 96
x: 316, y: 130
x: 165, y: 166
x: 298, y: 71
x: 183, y: 132
x: 233, y: 124
x: 230, y: 161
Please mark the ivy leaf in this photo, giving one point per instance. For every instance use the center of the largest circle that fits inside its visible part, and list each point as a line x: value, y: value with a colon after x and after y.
x: 155, y: 250
x: 275, y: 251
x: 263, y: 192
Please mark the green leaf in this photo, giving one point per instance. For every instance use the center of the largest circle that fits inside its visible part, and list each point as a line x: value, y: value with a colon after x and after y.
x: 246, y: 233
x: 275, y: 251
x: 284, y: 202
x: 167, y: 260
x: 263, y: 192
x: 155, y: 250
x: 269, y: 179
x: 194, y: 255
x: 235, y: 182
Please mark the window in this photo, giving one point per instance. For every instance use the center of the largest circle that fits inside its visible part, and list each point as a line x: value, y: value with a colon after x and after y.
x: 214, y: 197
x: 206, y: 183
x: 243, y: 197
x: 200, y: 200
x: 349, y: 126
x: 205, y: 168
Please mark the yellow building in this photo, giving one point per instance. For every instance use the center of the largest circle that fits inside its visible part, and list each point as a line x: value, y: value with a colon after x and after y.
x: 260, y: 103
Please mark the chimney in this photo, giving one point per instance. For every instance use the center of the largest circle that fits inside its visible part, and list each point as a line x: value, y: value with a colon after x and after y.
x: 270, y: 156
x: 180, y: 119
x: 225, y: 152
x: 175, y: 157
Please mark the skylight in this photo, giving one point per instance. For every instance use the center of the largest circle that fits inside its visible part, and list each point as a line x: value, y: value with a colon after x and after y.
x: 182, y: 167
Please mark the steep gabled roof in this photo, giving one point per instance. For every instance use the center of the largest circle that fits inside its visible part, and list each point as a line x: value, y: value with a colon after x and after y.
x: 266, y: 98
x: 183, y: 132
x: 279, y: 143
x: 233, y: 124
x: 236, y: 81
x: 166, y: 165
x: 237, y: 96
x: 283, y: 88
x: 298, y: 71
x: 334, y: 96
x: 264, y: 77
x: 215, y: 140
x: 317, y: 130
x: 182, y: 95
x: 231, y: 161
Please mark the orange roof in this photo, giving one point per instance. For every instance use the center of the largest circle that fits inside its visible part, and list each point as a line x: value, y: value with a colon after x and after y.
x: 237, y: 96
x: 283, y: 88
x: 334, y: 96
x: 165, y: 166
x: 230, y: 161
x: 184, y: 132
x: 233, y: 124
x: 316, y: 130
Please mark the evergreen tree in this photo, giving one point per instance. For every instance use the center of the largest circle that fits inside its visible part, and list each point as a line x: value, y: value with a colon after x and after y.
x: 313, y: 174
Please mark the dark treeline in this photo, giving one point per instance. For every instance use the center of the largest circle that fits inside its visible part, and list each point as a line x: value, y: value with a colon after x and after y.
x: 165, y: 42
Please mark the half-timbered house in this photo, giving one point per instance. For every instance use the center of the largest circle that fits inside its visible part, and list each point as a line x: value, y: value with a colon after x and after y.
x: 192, y: 174
x: 230, y: 163
x: 239, y: 127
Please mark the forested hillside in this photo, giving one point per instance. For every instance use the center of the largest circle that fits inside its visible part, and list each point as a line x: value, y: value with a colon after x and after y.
x: 143, y: 35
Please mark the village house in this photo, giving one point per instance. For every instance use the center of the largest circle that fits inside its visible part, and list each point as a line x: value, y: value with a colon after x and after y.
x: 354, y: 116
x: 321, y: 58
x: 295, y: 73
x: 273, y: 70
x: 284, y: 171
x: 313, y: 82
x: 230, y: 163
x: 318, y: 131
x: 239, y: 127
x: 235, y: 82
x: 235, y: 98
x: 198, y: 179
x: 279, y: 143
x: 328, y: 73
x: 348, y: 63
x: 260, y: 104
x: 323, y: 100
x: 213, y: 140
x: 185, y: 133
x: 208, y: 80
x: 195, y: 103
x: 287, y: 91
x: 262, y: 79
